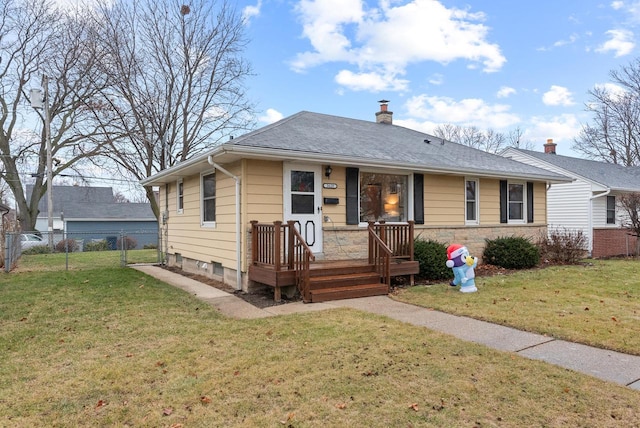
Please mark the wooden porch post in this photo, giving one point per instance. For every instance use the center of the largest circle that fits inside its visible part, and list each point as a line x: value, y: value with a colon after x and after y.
x: 411, y: 248
x: 277, y: 228
x: 254, y: 241
x: 290, y: 244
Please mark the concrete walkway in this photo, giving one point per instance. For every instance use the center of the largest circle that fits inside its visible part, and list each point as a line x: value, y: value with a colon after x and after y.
x: 607, y: 365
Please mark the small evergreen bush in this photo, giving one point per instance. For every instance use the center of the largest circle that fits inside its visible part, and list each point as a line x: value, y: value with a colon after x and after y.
x: 67, y: 245
x: 129, y: 242
x: 101, y: 245
x: 432, y: 256
x: 513, y: 252
x: 150, y: 247
x: 562, y: 245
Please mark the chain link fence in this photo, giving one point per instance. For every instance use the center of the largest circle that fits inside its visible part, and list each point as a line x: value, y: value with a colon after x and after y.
x: 140, y: 246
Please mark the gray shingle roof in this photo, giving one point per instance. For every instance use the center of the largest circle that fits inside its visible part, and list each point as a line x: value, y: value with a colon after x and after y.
x: 616, y: 177
x: 334, y: 136
x: 340, y: 140
x: 84, y: 202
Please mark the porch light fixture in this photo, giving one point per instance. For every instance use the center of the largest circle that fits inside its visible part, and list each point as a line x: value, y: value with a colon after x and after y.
x: 328, y: 171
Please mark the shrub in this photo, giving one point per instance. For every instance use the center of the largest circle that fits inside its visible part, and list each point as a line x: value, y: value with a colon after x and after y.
x: 150, y: 247
x: 562, y: 245
x: 129, y: 242
x: 67, y: 245
x: 37, y: 249
x: 100, y: 245
x: 432, y: 256
x: 511, y: 253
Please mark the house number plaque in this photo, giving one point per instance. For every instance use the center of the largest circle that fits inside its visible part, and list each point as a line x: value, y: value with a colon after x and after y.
x: 329, y: 185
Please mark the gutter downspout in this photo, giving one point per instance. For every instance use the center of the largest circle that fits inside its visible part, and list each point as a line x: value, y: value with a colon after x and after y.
x: 591, y: 198
x: 238, y: 225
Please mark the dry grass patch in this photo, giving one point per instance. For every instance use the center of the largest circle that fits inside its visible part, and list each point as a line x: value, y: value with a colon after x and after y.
x: 114, y: 347
x: 596, y: 304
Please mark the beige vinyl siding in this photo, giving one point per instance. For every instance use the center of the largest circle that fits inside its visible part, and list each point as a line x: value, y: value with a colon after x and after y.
x: 188, y: 237
x: 337, y: 213
x: 444, y: 200
x: 539, y: 203
x: 262, y: 191
x: 489, y: 201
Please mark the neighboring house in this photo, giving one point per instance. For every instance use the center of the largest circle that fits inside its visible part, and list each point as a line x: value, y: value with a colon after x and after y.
x: 91, y: 213
x: 332, y: 175
x: 588, y: 203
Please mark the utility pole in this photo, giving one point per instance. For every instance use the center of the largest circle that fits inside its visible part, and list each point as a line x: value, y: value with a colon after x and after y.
x: 47, y: 124
x: 38, y: 100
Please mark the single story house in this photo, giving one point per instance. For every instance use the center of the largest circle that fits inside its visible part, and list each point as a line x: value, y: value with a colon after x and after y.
x: 590, y: 202
x: 332, y: 177
x: 91, y: 213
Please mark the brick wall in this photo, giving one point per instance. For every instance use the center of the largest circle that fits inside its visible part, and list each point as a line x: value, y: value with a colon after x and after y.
x: 613, y: 242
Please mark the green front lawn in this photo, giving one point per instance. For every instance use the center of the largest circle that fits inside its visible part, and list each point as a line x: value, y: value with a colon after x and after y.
x: 114, y: 347
x: 597, y: 303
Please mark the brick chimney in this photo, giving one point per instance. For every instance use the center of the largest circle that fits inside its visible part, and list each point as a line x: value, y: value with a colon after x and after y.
x: 550, y: 146
x: 384, y: 116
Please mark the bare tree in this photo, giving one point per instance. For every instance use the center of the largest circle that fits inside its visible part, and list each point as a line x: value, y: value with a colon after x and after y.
x: 630, y: 203
x: 178, y: 74
x: 35, y: 39
x: 613, y: 136
x: 472, y: 136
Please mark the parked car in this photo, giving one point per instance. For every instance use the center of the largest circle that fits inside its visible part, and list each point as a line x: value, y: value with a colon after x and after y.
x: 29, y: 240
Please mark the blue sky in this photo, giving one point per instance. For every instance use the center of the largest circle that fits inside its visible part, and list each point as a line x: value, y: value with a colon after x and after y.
x: 496, y: 64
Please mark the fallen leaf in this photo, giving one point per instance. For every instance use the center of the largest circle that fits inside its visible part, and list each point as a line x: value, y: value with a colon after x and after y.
x: 414, y: 406
x: 236, y: 373
x: 159, y: 363
x: 100, y: 404
x: 176, y: 426
x: 586, y: 309
x: 23, y: 319
x: 167, y: 411
x: 86, y: 281
x: 341, y: 406
x: 205, y: 400
x: 141, y: 286
x: 614, y: 319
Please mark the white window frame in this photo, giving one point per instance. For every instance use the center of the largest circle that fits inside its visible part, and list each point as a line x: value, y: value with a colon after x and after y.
x: 409, y: 193
x: 203, y: 223
x: 524, y: 203
x: 476, y: 201
x: 606, y: 211
x: 179, y: 196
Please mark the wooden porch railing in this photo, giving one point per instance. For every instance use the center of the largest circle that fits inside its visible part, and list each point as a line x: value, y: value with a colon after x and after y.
x: 268, y: 245
x: 281, y: 247
x: 379, y: 256
x: 302, y: 257
x: 398, y: 237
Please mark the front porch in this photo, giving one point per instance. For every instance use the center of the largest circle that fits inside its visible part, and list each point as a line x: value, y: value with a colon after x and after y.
x: 281, y: 258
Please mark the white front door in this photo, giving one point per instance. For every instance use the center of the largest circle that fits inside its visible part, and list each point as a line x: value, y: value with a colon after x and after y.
x: 303, y: 201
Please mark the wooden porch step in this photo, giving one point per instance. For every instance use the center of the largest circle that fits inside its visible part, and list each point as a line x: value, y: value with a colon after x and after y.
x: 343, y: 280
x: 348, y: 292
x: 338, y: 268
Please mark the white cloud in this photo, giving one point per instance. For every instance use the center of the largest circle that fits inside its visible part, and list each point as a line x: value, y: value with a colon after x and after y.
x: 616, y: 5
x: 270, y: 116
x: 436, y: 79
x: 611, y: 88
x: 466, y: 112
x: 373, y: 82
x: 557, y: 96
x: 563, y: 129
x: 505, y: 92
x: 250, y: 12
x: 620, y: 42
x: 391, y: 37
